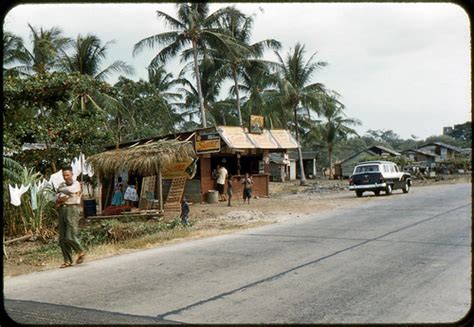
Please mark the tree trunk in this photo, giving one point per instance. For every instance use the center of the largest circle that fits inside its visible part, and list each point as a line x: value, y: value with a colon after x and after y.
x: 330, y: 161
x: 300, y: 154
x: 237, y: 95
x: 198, y: 82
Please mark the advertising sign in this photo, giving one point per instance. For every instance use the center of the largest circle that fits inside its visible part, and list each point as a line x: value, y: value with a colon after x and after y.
x: 185, y: 168
x: 208, y: 142
x: 256, y: 124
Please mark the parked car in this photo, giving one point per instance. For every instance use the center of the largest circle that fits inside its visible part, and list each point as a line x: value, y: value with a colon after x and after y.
x: 376, y: 176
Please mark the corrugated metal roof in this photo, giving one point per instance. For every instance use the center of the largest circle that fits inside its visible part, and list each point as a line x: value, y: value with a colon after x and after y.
x: 239, y: 138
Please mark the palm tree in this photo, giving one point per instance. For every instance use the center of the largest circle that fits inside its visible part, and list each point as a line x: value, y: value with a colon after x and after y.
x: 87, y: 56
x: 211, y: 77
x: 13, y: 51
x: 194, y: 26
x: 335, y: 127
x: 47, y: 44
x: 240, y: 28
x: 295, y: 92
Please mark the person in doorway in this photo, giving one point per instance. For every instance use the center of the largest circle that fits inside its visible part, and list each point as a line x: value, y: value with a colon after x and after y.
x: 221, y: 178
x: 68, y: 203
x: 229, y: 191
x: 131, y: 195
x: 117, y: 200
x: 248, y: 182
x: 184, y: 211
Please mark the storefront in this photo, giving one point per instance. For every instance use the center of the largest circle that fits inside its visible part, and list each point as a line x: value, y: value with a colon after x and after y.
x: 235, y: 148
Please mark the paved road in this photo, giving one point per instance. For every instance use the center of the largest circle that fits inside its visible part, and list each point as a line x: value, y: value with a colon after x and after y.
x: 395, y: 259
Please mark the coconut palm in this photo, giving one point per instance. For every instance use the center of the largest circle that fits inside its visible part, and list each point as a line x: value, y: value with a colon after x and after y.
x: 240, y: 28
x: 335, y: 127
x: 87, y: 55
x: 194, y: 26
x: 295, y: 90
x: 47, y: 45
x: 13, y: 51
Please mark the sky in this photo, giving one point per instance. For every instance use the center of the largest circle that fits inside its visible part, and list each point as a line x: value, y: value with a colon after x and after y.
x: 401, y: 66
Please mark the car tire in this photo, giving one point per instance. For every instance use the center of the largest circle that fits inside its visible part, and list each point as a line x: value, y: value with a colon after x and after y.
x: 359, y: 193
x: 388, y: 189
x: 406, y: 188
x: 377, y: 193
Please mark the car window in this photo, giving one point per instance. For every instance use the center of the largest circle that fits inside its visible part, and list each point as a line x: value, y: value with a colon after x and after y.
x: 366, y: 169
x: 385, y: 169
x: 396, y: 168
x: 392, y: 170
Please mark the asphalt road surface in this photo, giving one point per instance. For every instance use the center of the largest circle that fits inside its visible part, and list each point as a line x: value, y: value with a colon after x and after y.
x: 402, y: 258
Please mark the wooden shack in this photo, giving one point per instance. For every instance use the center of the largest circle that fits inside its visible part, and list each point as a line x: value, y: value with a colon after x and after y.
x: 234, y: 147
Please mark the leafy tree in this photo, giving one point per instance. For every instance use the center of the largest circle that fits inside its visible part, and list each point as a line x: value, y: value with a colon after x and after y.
x: 462, y: 132
x: 149, y: 112
x: 295, y: 91
x: 194, y: 26
x: 48, y: 101
x: 87, y: 56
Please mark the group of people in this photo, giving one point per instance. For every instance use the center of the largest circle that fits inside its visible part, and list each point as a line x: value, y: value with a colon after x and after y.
x: 68, y: 202
x: 130, y: 197
x: 222, y: 177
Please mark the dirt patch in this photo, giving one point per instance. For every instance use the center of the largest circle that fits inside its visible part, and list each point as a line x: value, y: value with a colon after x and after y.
x: 287, y: 201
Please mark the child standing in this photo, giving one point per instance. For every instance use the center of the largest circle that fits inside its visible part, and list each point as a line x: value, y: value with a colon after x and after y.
x: 131, y: 195
x: 184, y: 211
x: 248, y: 182
x: 117, y: 199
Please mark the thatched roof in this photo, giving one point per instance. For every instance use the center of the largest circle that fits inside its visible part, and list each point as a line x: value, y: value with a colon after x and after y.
x: 143, y: 159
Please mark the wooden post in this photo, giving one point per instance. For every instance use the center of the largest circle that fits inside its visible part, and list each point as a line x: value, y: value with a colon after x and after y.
x: 99, y: 185
x: 160, y: 188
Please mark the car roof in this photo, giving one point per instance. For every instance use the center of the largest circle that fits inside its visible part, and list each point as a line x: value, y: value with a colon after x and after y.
x: 375, y: 162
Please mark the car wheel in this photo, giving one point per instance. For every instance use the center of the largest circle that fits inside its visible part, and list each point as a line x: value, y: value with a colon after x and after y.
x: 377, y: 193
x: 388, y: 190
x: 359, y: 193
x: 406, y: 188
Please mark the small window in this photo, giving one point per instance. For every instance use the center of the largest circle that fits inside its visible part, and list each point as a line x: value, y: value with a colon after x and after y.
x: 392, y: 170
x: 366, y: 169
x: 385, y: 169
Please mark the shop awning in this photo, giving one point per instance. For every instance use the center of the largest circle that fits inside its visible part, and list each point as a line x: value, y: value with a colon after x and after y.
x: 239, y: 138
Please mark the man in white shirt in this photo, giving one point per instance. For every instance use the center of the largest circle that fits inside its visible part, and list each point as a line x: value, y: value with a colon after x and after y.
x: 221, y: 178
x: 68, y: 203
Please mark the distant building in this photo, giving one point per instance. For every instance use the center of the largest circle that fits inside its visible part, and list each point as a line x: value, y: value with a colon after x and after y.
x: 442, y: 151
x: 344, y: 168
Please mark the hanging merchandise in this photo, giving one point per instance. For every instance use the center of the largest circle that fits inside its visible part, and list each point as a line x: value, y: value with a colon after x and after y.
x: 88, y: 170
x: 16, y: 193
x: 34, y: 192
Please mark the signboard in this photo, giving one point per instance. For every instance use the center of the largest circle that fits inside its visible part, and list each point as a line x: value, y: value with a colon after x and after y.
x: 208, y: 142
x: 185, y: 168
x: 256, y: 124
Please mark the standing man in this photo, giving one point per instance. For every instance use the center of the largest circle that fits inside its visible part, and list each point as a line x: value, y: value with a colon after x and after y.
x: 221, y: 178
x: 68, y: 203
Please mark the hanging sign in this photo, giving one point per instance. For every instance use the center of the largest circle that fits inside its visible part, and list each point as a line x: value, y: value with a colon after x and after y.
x: 186, y: 168
x: 208, y: 142
x: 256, y: 124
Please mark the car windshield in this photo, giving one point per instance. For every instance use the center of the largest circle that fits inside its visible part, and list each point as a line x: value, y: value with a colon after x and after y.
x: 366, y: 169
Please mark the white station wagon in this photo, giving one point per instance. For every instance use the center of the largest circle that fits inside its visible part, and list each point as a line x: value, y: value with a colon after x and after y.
x: 376, y: 176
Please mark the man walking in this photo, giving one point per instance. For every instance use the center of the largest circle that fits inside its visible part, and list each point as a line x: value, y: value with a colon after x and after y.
x: 68, y: 203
